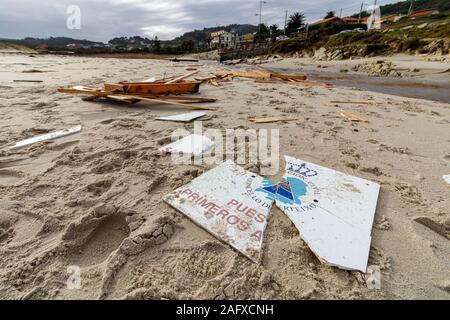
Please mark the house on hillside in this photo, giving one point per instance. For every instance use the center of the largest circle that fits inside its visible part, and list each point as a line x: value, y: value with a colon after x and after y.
x: 74, y: 46
x: 354, y: 20
x: 223, y: 38
x: 390, y: 18
x: 248, y: 37
x: 327, y: 20
x: 423, y: 13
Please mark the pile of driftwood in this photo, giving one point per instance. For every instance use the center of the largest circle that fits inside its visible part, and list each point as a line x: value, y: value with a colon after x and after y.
x: 262, y: 77
x: 165, y: 91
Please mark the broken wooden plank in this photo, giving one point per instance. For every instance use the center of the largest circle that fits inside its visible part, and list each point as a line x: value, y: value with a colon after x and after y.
x: 272, y: 119
x: 172, y: 103
x: 183, y: 77
x: 156, y: 88
x: 351, y: 102
x: 102, y: 93
x: 433, y: 225
x: 105, y: 94
x: 28, y: 80
x: 288, y: 76
x: 45, y: 137
x: 123, y: 99
x: 352, y: 117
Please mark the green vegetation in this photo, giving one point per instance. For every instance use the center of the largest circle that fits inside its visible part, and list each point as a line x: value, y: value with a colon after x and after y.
x: 296, y: 21
x: 13, y: 46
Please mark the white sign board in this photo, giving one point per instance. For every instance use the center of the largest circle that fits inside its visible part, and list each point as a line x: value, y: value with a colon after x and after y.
x: 185, y: 117
x: 192, y: 144
x: 333, y: 211
x: 227, y: 201
x: 45, y: 137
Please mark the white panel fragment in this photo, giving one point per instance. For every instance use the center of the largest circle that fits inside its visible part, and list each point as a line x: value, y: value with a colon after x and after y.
x: 192, y: 144
x: 227, y: 201
x: 333, y: 211
x: 185, y: 117
x: 45, y: 137
x: 447, y: 178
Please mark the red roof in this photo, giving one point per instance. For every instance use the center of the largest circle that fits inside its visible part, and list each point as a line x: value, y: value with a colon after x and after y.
x: 351, y: 19
x: 332, y: 19
x: 422, y: 13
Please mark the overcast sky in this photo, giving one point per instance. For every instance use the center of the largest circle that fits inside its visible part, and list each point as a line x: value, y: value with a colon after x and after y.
x: 102, y: 20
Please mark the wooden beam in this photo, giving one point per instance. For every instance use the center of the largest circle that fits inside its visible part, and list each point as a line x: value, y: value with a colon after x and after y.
x: 183, y: 77
x: 352, y: 117
x: 272, y: 119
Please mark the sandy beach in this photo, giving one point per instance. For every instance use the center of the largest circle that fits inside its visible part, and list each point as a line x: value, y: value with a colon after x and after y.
x: 93, y: 199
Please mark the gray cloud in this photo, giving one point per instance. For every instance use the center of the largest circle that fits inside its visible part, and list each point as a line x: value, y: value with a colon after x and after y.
x: 102, y: 20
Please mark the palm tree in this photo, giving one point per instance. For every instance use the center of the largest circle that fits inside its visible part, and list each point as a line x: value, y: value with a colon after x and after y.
x: 274, y: 31
x: 296, y: 20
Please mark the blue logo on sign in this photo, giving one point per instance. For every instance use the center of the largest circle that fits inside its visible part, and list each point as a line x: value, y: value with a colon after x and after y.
x: 288, y: 191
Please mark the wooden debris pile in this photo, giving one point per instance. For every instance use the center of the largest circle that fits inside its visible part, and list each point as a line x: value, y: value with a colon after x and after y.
x: 165, y: 91
x: 262, y: 77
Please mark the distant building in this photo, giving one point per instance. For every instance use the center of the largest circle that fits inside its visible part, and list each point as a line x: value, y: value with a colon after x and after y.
x: 390, y: 18
x: 354, y: 20
x: 74, y: 46
x: 423, y: 13
x: 327, y: 20
x: 223, y: 38
x: 248, y: 37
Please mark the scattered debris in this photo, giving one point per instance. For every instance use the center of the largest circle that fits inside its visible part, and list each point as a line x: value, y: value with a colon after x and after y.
x: 193, y: 144
x: 350, y: 116
x: 178, y: 79
x: 28, y: 80
x: 185, y: 117
x: 260, y: 75
x: 33, y: 71
x: 272, y: 119
x: 351, y: 102
x: 333, y: 211
x: 302, y: 83
x: 227, y: 201
x: 439, y: 228
x: 45, y: 137
x: 182, y: 59
x: 153, y: 92
x: 446, y: 178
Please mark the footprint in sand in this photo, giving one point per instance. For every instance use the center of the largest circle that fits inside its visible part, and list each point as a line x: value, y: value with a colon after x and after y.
x: 10, y: 177
x: 92, y: 240
x: 16, y: 229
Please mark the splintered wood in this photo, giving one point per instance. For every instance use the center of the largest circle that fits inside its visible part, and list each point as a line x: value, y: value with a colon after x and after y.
x: 158, y: 91
x: 352, y: 117
x: 271, y: 119
x: 262, y: 77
